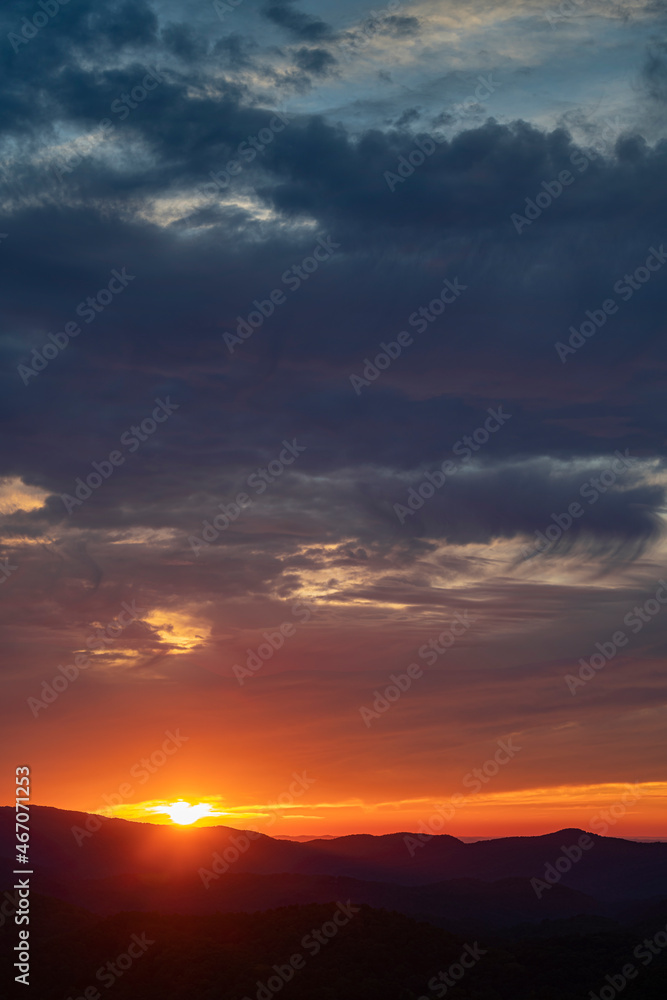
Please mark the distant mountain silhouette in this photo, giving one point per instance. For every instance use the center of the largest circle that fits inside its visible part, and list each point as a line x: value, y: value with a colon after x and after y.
x: 302, y: 838
x: 613, y: 869
x: 144, y: 867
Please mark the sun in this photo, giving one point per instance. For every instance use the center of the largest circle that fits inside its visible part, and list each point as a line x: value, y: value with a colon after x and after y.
x: 181, y: 812
x: 184, y: 813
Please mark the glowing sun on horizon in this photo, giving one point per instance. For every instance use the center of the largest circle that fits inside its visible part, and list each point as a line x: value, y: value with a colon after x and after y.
x: 184, y: 813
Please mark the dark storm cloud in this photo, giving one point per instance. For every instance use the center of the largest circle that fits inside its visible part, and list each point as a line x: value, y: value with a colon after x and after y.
x: 475, y: 181
x: 616, y: 521
x: 380, y: 423
x: 315, y: 61
x: 183, y: 41
x: 400, y: 25
x: 296, y: 22
x: 76, y: 29
x: 409, y: 116
x: 448, y: 216
x: 382, y: 24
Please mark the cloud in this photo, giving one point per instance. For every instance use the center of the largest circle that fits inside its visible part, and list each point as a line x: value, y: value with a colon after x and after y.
x: 654, y: 72
x: 302, y: 26
x: 206, y: 254
x: 315, y: 61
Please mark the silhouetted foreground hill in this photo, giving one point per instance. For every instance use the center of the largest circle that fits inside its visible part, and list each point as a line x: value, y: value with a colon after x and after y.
x: 466, y: 906
x: 299, y: 953
x: 157, y: 913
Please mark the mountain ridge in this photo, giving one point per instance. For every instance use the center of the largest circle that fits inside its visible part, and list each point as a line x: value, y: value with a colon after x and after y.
x: 609, y: 869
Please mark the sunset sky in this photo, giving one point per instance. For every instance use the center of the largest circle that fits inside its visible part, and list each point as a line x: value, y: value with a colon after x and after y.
x: 212, y: 218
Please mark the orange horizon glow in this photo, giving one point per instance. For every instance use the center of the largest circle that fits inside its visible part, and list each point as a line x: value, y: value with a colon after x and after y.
x: 612, y: 809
